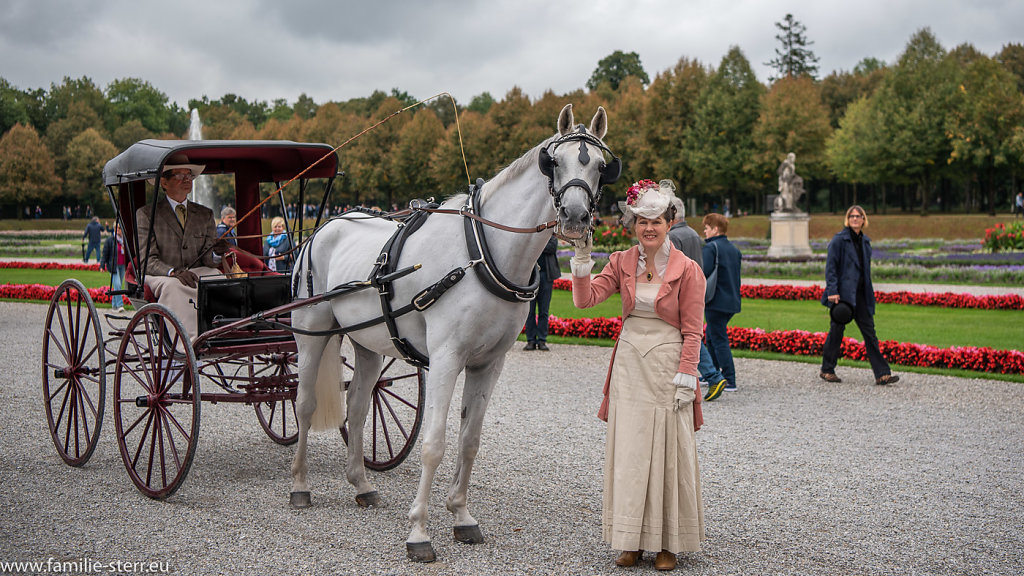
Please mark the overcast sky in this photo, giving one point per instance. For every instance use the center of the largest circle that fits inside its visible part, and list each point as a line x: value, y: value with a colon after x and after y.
x: 342, y: 49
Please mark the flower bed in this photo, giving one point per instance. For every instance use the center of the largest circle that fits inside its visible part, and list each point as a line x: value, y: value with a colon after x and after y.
x: 943, y: 299
x: 49, y: 266
x: 804, y: 343
x: 43, y: 292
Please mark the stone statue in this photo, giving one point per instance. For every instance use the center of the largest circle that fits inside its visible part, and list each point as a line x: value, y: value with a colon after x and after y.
x: 791, y: 186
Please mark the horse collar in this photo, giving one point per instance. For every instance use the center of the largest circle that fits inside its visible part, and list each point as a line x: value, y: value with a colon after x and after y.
x: 489, y: 275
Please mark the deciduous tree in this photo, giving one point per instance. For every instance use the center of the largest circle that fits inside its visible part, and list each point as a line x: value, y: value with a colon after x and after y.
x: 86, y: 155
x: 615, y: 67
x: 915, y: 100
x: 793, y: 119
x: 720, y: 145
x: 135, y: 99
x: 26, y: 168
x: 671, y: 111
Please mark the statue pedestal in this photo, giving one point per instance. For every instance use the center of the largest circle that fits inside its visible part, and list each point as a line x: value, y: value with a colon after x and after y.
x: 790, y: 233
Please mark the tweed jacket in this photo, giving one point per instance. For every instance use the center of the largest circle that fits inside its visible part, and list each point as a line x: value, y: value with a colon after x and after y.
x: 173, y: 247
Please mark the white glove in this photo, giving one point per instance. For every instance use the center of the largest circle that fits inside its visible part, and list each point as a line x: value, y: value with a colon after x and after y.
x: 581, y: 264
x: 684, y: 397
x: 686, y: 386
x: 685, y: 380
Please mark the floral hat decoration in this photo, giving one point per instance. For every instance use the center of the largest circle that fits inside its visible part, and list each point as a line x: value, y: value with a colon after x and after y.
x: 647, y: 199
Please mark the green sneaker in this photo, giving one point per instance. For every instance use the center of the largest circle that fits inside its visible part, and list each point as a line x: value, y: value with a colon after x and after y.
x: 715, y: 390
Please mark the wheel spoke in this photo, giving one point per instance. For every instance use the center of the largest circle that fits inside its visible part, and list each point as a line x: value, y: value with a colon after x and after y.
x: 56, y: 342
x: 169, y: 434
x: 394, y: 416
x: 84, y: 332
x: 70, y: 399
x: 391, y: 393
x: 128, y: 431
x: 63, y: 405
x: 148, y: 415
x: 57, y: 390
x: 83, y: 414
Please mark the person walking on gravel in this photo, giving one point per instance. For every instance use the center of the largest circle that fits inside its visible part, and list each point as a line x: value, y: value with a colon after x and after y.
x: 848, y: 279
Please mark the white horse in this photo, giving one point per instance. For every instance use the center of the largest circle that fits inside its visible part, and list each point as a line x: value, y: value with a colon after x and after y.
x: 469, y: 329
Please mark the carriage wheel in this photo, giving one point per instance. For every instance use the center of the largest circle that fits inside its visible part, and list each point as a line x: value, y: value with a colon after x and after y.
x: 74, y: 374
x: 278, y: 417
x: 156, y: 401
x: 396, y: 412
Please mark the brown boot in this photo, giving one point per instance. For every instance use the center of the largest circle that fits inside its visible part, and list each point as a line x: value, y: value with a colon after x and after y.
x: 629, y: 558
x: 665, y: 560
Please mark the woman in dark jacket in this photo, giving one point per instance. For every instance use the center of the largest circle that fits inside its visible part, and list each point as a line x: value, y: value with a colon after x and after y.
x: 848, y: 279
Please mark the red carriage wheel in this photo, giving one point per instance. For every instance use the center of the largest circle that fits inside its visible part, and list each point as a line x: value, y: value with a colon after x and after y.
x: 277, y: 417
x: 395, y: 415
x: 74, y: 373
x: 156, y: 401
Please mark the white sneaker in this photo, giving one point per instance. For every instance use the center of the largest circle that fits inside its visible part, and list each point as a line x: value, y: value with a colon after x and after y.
x: 120, y: 310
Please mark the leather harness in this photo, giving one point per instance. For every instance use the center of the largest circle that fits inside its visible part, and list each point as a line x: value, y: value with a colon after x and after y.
x: 385, y: 272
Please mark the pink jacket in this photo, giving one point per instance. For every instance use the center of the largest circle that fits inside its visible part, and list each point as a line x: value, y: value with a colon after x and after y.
x: 680, y: 302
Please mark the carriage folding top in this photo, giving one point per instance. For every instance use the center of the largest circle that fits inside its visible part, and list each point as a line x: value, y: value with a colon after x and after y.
x: 251, y: 161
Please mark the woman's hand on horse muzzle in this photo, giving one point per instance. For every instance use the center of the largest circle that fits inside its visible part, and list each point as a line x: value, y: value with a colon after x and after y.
x: 581, y: 262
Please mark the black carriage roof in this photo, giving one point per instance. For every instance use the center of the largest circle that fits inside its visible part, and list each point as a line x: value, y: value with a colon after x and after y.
x: 274, y: 160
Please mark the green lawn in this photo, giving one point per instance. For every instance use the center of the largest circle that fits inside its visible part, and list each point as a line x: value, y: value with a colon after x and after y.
x: 53, y: 277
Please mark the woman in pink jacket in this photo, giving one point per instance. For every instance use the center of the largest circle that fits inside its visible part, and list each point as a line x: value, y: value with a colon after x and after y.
x: 652, y: 493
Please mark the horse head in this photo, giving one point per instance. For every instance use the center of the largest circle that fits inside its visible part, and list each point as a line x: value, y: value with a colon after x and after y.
x: 574, y: 162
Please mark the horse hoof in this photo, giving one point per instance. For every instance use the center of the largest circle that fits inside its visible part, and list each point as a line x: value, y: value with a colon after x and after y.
x: 469, y: 534
x: 369, y: 499
x: 420, y: 551
x: 300, y: 500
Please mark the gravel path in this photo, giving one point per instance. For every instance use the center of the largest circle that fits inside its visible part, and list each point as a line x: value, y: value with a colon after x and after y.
x: 800, y: 477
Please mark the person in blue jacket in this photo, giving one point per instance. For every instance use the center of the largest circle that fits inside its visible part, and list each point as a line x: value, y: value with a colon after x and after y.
x: 718, y: 251
x: 848, y: 278
x: 537, y: 321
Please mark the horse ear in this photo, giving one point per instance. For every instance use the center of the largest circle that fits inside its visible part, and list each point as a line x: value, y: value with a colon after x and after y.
x: 565, y: 120
x: 599, y: 124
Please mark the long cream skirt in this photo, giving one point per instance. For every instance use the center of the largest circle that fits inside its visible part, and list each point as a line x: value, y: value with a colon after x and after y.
x: 652, y: 494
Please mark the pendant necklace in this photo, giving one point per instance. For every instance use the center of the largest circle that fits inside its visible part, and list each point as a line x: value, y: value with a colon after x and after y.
x: 650, y: 276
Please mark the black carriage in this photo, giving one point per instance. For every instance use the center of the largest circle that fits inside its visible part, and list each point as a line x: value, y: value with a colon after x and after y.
x: 244, y: 352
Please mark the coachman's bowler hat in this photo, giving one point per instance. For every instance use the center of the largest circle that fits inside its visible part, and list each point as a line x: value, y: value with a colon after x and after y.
x: 841, y: 312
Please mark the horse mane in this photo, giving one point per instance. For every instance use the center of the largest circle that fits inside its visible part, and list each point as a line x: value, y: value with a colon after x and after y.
x: 518, y: 166
x: 525, y: 162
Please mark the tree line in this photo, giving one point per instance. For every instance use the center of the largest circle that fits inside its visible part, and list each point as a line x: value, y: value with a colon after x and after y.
x: 936, y: 130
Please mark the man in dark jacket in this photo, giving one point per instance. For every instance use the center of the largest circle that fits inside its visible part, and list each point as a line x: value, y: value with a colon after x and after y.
x: 718, y: 251
x: 537, y: 321
x: 94, y: 233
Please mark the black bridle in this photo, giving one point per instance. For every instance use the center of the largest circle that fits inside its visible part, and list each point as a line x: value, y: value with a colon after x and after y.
x: 610, y: 171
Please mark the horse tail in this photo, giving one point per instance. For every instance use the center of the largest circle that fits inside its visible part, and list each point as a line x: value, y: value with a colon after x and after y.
x: 330, y: 399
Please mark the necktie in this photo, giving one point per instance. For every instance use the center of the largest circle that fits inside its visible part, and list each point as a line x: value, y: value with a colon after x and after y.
x: 179, y: 210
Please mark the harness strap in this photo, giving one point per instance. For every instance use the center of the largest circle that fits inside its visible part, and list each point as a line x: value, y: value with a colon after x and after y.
x: 385, y: 266
x: 489, y: 275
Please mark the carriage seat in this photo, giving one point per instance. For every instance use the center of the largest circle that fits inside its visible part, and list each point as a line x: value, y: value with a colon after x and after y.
x: 249, y: 263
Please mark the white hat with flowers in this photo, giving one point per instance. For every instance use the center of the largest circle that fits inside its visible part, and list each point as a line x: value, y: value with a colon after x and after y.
x: 647, y: 199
